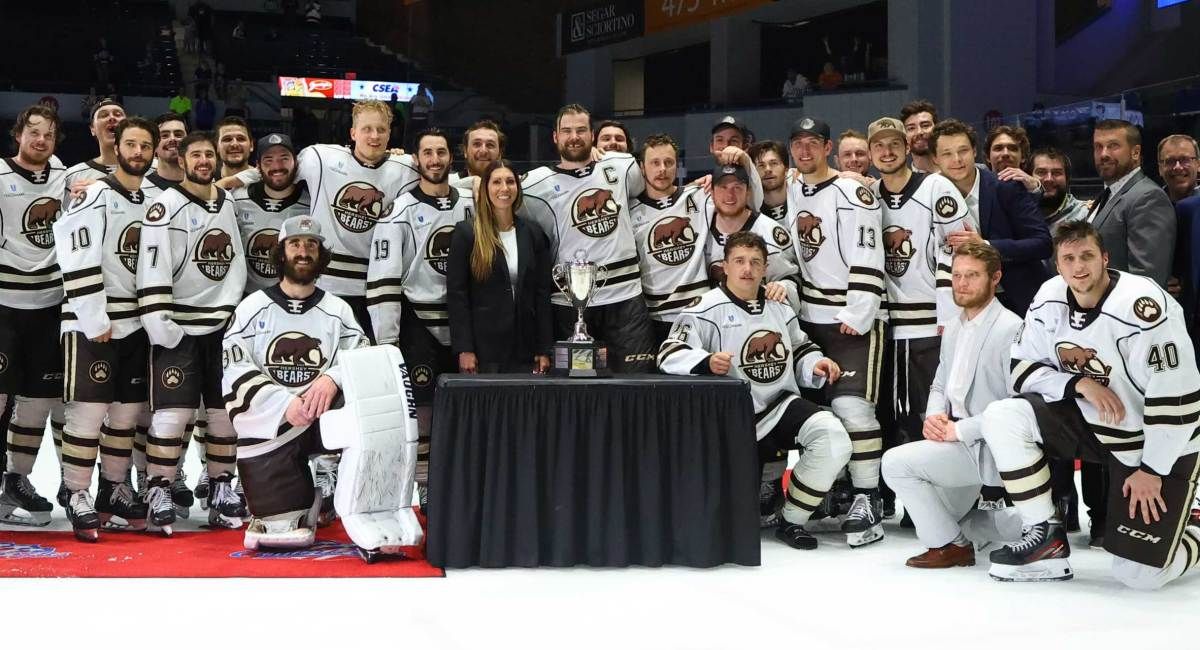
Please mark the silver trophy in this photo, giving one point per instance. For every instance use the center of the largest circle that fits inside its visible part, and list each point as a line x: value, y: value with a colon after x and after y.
x: 579, y: 355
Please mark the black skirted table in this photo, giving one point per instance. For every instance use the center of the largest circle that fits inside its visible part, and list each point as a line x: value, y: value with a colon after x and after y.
x: 637, y: 469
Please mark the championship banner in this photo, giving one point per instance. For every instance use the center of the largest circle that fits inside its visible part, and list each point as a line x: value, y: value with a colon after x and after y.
x: 662, y: 15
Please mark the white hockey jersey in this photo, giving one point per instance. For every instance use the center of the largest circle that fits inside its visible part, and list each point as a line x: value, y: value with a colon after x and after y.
x: 770, y: 351
x: 348, y: 198
x: 30, y: 203
x: 154, y: 185
x: 259, y: 217
x: 916, y: 258
x: 671, y: 235
x: 781, y: 214
x: 836, y: 225
x: 97, y: 242
x: 190, y: 272
x: 88, y: 169
x: 781, y: 255
x: 409, y: 256
x: 275, y: 348
x: 1134, y: 341
x: 588, y: 209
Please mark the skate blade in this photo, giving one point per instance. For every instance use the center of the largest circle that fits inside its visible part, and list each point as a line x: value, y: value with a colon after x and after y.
x: 183, y: 512
x: 165, y: 531
x: 1041, y: 571
x: 90, y: 535
x: 230, y: 523
x: 22, y: 517
x: 120, y: 525
x: 868, y: 536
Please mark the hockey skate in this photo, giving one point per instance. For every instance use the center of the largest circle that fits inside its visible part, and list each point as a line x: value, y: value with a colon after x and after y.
x: 770, y: 500
x: 289, y: 530
x: 326, y: 472
x: 225, y: 508
x: 202, y: 488
x: 118, y: 507
x: 181, y: 494
x: 795, y: 536
x: 377, y: 431
x: 161, y: 508
x: 64, y: 494
x: 20, y: 504
x: 83, y: 517
x: 863, y: 524
x: 1041, y: 555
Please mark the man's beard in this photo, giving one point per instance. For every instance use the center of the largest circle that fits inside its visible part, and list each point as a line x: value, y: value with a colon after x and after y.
x: 131, y: 167
x: 281, y: 184
x: 773, y: 184
x: 305, y: 276
x: 1050, y: 201
x: 919, y: 146
x: 196, y: 178
x: 584, y: 154
x: 230, y: 161
x: 976, y: 300
x: 437, y: 178
x: 477, y: 167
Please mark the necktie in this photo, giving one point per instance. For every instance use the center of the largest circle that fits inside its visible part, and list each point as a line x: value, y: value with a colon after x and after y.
x: 1099, y: 204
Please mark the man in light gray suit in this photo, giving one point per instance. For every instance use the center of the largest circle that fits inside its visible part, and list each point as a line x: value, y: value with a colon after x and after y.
x: 1133, y: 214
x: 939, y: 479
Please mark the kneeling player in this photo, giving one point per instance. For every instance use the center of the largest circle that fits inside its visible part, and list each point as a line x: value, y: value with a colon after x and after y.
x: 736, y: 331
x: 280, y: 376
x: 1105, y: 364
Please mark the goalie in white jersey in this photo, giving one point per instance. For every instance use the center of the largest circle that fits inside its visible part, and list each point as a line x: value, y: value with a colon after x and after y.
x: 735, y: 330
x: 1104, y: 364
x: 583, y: 205
x: 105, y: 348
x: 280, y: 375
x: 837, y: 229
x: 190, y: 277
x: 30, y: 293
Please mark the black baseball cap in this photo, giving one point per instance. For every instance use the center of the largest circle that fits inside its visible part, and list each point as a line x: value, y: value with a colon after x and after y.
x: 737, y: 171
x: 107, y: 101
x: 275, y: 140
x: 809, y: 126
x: 728, y: 122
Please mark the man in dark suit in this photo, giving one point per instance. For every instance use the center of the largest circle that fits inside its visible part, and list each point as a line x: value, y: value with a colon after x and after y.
x: 1132, y: 213
x: 1002, y: 213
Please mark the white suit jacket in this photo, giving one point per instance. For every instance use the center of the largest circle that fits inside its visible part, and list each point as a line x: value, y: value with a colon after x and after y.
x: 991, y: 357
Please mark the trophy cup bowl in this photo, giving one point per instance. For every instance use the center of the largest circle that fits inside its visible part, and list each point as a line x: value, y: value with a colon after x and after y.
x: 579, y: 355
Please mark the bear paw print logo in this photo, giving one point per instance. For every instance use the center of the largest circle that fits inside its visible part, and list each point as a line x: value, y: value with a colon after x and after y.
x: 422, y: 375
x: 172, y: 377
x: 100, y: 371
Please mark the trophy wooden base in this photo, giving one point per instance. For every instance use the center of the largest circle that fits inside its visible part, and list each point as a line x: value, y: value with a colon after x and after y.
x: 580, y: 359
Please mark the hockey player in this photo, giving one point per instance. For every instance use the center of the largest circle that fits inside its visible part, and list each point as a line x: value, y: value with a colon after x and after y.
x: 351, y: 189
x: 483, y: 144
x: 837, y: 234
x: 406, y: 278
x: 190, y: 277
x: 771, y: 161
x: 919, y: 211
x: 731, y: 213
x: 171, y: 129
x: 737, y: 331
x: 262, y: 206
x: 583, y: 205
x: 30, y: 293
x: 1104, y: 364
x: 106, y: 114
x: 234, y: 145
x: 612, y: 135
x: 280, y: 375
x: 104, y: 346
x: 670, y: 226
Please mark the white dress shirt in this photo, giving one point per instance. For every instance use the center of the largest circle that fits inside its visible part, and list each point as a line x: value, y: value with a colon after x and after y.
x: 962, y: 372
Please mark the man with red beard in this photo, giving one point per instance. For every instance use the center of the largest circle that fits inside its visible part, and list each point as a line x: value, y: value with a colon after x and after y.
x: 105, y: 347
x: 105, y: 116
x: 30, y: 360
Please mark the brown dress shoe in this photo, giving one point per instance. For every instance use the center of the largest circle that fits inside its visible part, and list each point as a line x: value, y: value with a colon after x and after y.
x: 945, y: 557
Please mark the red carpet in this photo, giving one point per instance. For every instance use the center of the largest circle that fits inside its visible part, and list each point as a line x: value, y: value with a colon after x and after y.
x: 205, y: 554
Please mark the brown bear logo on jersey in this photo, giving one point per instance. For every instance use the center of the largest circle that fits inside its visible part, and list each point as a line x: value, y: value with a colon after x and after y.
x: 437, y: 249
x: 294, y: 359
x: 595, y: 213
x: 1147, y: 309
x: 764, y: 356
x: 214, y: 253
x: 128, y: 243
x: 258, y: 252
x: 808, y: 228
x: 39, y: 219
x: 1082, y: 361
x: 358, y: 206
x: 672, y: 240
x: 897, y: 250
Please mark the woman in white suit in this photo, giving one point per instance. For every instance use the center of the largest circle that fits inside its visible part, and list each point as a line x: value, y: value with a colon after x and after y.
x: 940, y: 478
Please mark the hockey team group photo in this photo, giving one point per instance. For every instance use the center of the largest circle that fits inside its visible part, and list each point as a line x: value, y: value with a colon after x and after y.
x: 366, y: 289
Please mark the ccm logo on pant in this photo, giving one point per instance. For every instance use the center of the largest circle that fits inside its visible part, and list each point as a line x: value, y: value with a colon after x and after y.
x: 1137, y: 534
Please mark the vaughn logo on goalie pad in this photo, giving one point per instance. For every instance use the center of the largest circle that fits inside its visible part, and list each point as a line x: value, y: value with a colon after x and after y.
x: 294, y: 359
